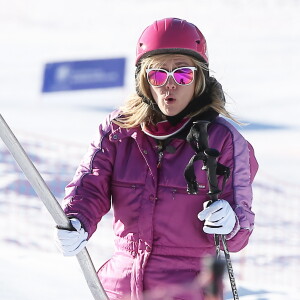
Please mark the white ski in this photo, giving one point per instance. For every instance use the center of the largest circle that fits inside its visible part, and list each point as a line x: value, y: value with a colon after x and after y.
x: 52, y: 205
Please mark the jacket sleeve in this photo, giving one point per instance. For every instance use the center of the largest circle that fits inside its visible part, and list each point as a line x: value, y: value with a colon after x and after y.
x: 88, y: 195
x: 237, y: 154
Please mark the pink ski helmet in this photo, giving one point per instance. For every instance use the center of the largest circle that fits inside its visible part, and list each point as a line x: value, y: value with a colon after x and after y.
x: 172, y: 35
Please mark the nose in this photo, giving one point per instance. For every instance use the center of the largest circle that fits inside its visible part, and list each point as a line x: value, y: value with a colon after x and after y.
x: 170, y: 84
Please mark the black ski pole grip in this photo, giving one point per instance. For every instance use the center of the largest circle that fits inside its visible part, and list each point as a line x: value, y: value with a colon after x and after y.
x: 211, y: 169
x: 210, y: 165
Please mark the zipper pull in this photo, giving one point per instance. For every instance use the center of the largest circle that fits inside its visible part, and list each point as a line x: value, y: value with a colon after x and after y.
x: 160, y: 155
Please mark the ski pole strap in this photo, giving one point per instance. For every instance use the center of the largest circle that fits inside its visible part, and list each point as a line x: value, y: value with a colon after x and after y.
x: 223, y: 171
x: 198, y: 139
x: 190, y: 177
x: 189, y: 173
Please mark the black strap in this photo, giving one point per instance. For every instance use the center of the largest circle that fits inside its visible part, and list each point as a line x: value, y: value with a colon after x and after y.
x: 196, y: 141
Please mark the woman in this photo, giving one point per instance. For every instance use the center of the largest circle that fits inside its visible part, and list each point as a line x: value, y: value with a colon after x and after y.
x: 140, y: 164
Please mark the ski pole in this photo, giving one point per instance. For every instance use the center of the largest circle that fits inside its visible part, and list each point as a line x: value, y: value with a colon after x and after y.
x: 51, y: 204
x: 210, y: 167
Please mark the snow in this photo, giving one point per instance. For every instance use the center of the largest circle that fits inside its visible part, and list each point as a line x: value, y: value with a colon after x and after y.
x: 254, y: 52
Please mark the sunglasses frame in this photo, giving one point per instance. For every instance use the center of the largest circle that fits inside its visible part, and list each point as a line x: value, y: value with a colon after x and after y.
x: 170, y: 74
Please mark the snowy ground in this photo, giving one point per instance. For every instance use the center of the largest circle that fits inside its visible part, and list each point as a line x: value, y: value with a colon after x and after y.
x: 254, y: 51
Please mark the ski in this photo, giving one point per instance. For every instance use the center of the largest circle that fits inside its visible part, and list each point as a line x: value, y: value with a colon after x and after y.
x: 52, y: 205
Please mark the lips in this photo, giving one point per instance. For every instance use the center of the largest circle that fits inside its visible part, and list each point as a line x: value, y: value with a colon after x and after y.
x: 169, y: 99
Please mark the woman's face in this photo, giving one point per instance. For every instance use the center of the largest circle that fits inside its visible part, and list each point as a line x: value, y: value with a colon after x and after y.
x: 172, y: 98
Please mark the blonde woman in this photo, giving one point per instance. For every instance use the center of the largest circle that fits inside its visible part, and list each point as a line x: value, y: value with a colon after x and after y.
x: 140, y: 166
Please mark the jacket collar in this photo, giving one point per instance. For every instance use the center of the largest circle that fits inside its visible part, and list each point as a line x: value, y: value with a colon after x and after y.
x: 164, y: 129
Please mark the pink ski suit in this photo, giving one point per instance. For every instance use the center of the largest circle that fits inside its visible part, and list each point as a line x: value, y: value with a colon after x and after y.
x: 159, y: 239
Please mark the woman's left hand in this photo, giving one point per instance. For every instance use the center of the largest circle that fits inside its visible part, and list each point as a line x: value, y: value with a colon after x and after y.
x: 219, y: 217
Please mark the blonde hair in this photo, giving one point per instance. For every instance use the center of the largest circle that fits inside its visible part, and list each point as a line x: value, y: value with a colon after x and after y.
x: 136, y: 111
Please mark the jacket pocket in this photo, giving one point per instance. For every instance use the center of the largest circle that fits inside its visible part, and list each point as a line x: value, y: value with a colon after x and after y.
x: 128, y: 185
x: 126, y: 201
x: 181, y: 194
x: 115, y: 275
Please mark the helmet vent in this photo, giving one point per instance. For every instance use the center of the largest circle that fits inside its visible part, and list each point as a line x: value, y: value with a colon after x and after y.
x: 198, y: 42
x: 142, y: 46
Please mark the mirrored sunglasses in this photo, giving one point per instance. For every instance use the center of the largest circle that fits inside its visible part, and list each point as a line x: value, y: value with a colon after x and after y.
x: 182, y: 76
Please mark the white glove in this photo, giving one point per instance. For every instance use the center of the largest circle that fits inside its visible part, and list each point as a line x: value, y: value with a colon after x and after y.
x: 71, y: 242
x: 219, y: 217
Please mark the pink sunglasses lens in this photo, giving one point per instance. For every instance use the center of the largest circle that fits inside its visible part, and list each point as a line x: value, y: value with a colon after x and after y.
x: 184, y: 76
x: 157, y: 77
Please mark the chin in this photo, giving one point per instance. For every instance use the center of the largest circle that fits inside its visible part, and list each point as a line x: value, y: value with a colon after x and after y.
x: 169, y: 113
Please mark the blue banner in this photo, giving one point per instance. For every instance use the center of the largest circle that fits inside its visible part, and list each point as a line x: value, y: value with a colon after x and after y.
x: 82, y: 75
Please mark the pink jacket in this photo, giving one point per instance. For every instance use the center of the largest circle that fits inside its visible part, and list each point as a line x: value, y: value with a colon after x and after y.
x: 155, y: 221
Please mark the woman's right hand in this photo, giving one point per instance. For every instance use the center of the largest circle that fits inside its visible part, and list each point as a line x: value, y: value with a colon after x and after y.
x: 70, y: 242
